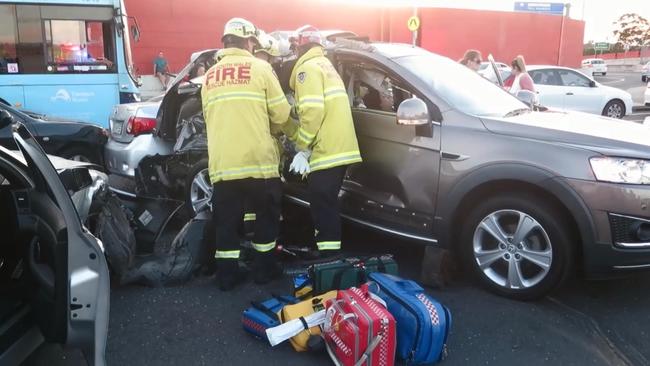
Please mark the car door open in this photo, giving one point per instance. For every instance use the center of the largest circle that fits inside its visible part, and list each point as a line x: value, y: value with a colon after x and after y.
x: 400, y: 167
x: 72, y: 302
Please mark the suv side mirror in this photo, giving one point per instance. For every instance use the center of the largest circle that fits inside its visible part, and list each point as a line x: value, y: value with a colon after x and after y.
x: 592, y: 84
x: 413, y: 112
x: 6, y: 119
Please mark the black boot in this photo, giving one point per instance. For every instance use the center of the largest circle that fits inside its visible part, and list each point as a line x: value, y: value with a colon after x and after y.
x: 229, y: 275
x: 266, y: 268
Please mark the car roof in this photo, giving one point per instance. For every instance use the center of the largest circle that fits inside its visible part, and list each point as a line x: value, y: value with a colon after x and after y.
x: 539, y: 67
x: 397, y: 50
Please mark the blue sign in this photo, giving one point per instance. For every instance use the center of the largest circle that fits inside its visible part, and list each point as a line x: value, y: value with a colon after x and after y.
x: 544, y: 8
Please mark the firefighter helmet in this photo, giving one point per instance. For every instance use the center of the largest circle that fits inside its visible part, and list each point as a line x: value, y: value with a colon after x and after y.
x: 241, y: 28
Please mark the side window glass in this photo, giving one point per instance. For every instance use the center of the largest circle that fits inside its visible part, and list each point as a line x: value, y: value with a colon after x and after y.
x: 545, y: 77
x: 570, y: 78
x: 375, y: 90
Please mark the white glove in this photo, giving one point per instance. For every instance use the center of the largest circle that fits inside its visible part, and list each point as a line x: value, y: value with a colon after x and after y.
x: 300, y: 163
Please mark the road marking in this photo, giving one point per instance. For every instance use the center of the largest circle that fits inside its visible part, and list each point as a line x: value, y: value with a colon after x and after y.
x: 614, y: 81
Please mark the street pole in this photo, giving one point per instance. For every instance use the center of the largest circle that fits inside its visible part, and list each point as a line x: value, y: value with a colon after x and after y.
x: 567, y: 7
x: 415, y: 32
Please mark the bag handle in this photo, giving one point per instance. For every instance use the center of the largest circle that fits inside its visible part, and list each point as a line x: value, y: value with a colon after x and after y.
x: 371, y: 347
x: 365, y: 288
x: 259, y: 306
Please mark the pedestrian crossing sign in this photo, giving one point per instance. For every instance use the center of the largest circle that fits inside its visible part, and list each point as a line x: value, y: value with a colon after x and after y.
x: 413, y: 23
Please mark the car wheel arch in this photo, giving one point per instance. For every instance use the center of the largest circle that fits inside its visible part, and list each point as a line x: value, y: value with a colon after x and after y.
x: 499, y: 178
x: 618, y: 100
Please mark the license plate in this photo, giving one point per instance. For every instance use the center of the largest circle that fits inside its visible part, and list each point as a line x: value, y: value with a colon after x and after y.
x: 117, y: 128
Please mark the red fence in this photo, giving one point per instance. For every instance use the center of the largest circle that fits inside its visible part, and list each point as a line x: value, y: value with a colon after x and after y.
x: 619, y: 55
x: 180, y: 27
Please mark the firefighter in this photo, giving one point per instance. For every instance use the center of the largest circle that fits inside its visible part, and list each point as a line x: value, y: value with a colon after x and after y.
x: 325, y: 140
x: 242, y: 104
x: 269, y: 49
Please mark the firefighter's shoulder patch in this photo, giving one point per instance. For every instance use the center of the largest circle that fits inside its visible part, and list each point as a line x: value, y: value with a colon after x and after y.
x: 301, y: 77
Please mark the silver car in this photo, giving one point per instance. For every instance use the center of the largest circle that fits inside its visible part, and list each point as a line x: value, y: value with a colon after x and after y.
x: 54, y: 276
x: 131, y: 126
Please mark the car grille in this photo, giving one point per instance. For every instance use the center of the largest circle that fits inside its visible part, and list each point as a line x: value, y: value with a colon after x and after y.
x: 624, y: 228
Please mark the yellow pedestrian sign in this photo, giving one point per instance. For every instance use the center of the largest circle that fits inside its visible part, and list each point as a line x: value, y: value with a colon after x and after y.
x: 413, y: 23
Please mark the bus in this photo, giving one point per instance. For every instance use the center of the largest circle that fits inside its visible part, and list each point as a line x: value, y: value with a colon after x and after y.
x: 67, y: 58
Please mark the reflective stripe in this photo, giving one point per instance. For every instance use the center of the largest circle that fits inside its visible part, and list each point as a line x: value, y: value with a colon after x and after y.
x: 333, y: 93
x: 250, y: 217
x: 264, y: 247
x: 260, y: 170
x: 332, y: 90
x: 275, y: 101
x: 312, y: 103
x: 311, y: 100
x: 337, y: 159
x: 329, y: 245
x: 227, y: 254
x: 305, y: 136
x: 258, y: 97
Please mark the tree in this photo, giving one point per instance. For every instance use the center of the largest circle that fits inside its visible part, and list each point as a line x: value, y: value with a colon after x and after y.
x: 632, y: 30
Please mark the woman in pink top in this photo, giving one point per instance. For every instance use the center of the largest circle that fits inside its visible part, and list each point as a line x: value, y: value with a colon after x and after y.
x: 522, y: 81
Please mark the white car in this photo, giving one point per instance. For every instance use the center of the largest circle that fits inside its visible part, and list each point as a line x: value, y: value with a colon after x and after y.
x: 593, y: 66
x: 488, y: 72
x: 565, y: 88
x: 646, y: 99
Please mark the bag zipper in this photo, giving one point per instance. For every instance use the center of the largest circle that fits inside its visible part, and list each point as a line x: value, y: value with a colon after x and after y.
x: 417, y: 323
x: 355, y: 303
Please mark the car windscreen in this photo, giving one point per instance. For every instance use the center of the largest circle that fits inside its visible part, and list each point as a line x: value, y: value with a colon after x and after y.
x: 462, y: 88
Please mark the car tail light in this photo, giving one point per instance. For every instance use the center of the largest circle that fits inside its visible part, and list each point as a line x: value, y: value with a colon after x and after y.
x: 139, y: 125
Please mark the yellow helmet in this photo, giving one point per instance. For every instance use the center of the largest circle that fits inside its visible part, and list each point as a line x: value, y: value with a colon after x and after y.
x: 241, y: 28
x: 268, y: 45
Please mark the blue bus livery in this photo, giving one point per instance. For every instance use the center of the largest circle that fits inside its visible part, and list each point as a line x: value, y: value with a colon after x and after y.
x: 66, y: 58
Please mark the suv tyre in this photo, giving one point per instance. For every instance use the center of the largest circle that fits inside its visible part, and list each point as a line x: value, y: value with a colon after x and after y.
x: 517, y: 246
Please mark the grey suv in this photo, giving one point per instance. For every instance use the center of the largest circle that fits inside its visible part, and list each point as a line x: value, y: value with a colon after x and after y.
x: 452, y: 160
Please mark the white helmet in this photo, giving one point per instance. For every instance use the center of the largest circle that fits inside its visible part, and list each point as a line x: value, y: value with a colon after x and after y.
x: 241, y: 28
x: 268, y: 45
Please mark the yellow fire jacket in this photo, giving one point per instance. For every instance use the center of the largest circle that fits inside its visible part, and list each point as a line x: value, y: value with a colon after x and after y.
x: 242, y: 103
x: 323, y: 108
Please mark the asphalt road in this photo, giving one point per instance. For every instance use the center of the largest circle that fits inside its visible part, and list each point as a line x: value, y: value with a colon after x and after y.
x: 586, y: 322
x: 630, y: 82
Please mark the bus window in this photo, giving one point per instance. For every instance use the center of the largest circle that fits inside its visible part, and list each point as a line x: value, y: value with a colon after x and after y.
x: 79, y: 46
x: 8, y: 62
x: 30, y: 40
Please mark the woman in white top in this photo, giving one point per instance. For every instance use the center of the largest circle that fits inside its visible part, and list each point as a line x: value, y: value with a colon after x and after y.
x: 522, y: 81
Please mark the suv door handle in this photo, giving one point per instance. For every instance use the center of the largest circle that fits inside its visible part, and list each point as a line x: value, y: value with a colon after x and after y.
x: 569, y: 93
